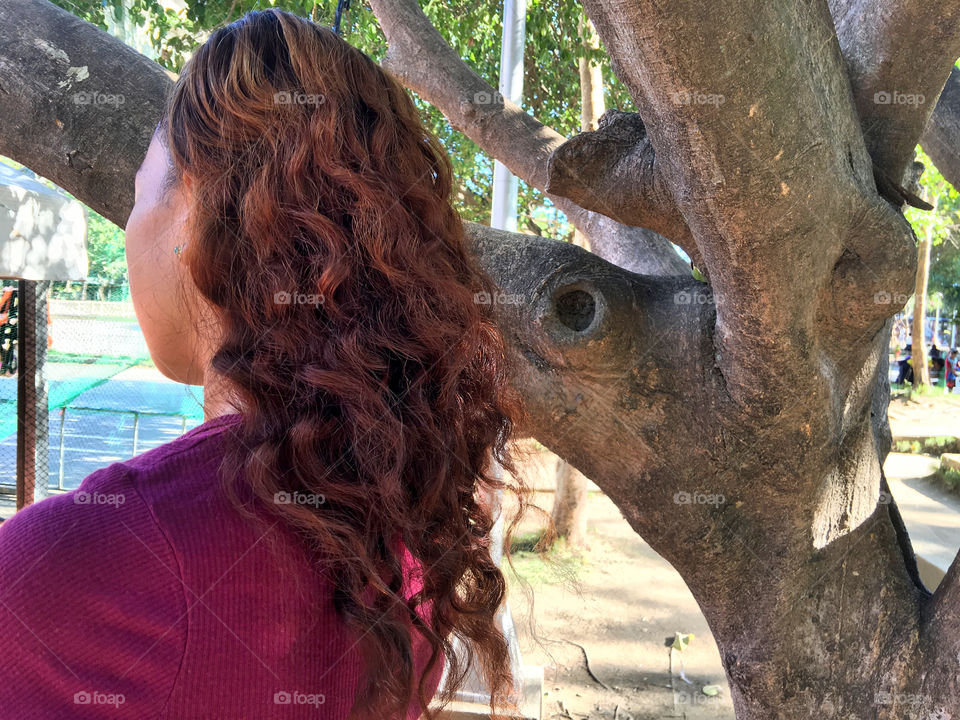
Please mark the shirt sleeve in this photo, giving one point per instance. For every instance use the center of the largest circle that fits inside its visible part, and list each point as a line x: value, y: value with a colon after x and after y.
x: 92, y: 608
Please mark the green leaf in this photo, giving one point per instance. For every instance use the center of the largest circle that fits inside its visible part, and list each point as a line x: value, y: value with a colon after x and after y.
x: 711, y: 690
x: 681, y: 640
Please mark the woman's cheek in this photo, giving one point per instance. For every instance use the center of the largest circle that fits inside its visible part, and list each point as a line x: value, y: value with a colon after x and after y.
x: 157, y: 279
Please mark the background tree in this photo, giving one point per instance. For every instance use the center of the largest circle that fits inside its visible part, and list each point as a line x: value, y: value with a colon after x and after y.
x: 944, y: 277
x: 739, y: 425
x: 105, y: 250
x: 933, y: 228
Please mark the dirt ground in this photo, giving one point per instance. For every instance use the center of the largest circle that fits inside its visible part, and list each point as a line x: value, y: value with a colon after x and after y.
x: 619, y: 600
x: 926, y: 415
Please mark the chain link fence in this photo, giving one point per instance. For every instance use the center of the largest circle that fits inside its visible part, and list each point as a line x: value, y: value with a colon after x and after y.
x: 78, y: 390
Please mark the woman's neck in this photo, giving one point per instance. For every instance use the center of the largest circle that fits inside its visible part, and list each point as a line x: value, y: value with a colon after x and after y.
x: 217, y: 396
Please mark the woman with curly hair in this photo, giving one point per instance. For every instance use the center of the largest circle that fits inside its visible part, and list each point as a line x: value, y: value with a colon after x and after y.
x: 313, y: 548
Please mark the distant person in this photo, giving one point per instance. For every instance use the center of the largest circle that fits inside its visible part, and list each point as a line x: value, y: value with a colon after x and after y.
x: 310, y: 550
x: 906, y: 368
x: 936, y: 360
x: 950, y: 370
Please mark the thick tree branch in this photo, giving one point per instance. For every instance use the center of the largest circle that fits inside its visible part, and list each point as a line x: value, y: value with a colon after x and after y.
x: 899, y: 54
x: 635, y: 249
x: 941, y: 139
x: 80, y: 114
x: 425, y: 63
x: 602, y: 354
x: 749, y: 110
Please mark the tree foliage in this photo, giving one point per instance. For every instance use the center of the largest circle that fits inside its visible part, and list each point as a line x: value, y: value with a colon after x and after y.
x: 551, y: 76
x: 943, y: 224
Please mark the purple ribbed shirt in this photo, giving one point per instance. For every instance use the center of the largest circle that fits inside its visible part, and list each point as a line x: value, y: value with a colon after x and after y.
x: 144, y: 594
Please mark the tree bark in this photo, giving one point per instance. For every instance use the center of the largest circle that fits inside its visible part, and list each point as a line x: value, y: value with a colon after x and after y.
x: 739, y: 425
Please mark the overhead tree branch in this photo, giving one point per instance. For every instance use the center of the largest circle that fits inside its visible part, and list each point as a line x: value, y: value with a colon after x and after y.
x: 899, y: 54
x: 941, y: 138
x: 67, y: 109
x: 420, y: 57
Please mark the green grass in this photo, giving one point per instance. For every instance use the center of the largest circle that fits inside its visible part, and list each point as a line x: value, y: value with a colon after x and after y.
x: 927, y: 392
x: 934, y: 446
x: 553, y: 565
x: 950, y: 478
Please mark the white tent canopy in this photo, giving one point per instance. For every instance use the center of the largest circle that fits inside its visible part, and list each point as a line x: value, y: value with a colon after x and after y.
x: 43, y: 233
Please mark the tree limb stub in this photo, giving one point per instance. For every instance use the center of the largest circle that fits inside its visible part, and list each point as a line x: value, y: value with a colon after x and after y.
x: 612, y: 170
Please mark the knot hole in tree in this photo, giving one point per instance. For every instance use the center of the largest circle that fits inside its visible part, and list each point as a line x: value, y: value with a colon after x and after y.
x: 575, y: 308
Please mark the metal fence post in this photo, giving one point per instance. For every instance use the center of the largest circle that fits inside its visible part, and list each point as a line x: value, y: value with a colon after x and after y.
x: 63, y: 421
x: 136, y: 432
x: 32, y: 431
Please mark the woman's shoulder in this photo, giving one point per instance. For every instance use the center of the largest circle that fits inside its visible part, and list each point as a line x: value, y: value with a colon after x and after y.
x: 102, y: 532
x: 91, y: 591
x: 184, y: 452
x: 183, y: 472
x: 94, y: 511
x: 115, y: 501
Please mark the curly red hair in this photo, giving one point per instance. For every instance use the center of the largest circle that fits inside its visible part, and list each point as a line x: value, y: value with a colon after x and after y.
x: 323, y: 237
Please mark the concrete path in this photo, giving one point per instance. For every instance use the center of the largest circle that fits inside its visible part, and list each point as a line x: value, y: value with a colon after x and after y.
x: 930, y: 512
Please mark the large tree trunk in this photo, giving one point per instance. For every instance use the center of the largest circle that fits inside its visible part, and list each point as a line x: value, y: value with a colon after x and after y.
x: 740, y: 425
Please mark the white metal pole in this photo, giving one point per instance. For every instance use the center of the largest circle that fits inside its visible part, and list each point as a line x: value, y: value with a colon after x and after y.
x: 503, y: 215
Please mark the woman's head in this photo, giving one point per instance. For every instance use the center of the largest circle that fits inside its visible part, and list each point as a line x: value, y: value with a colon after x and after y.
x: 328, y: 276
